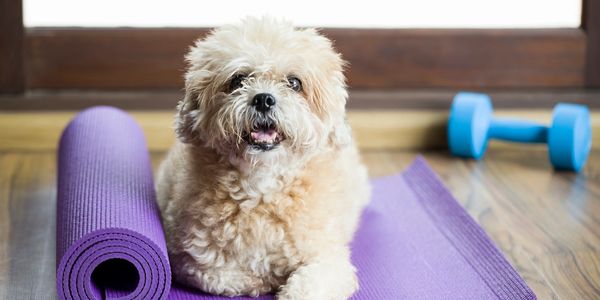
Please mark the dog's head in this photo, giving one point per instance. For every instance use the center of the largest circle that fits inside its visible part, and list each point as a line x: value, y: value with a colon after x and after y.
x: 263, y: 88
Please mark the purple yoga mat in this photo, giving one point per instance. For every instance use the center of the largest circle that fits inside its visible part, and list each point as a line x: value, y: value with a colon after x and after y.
x: 414, y: 241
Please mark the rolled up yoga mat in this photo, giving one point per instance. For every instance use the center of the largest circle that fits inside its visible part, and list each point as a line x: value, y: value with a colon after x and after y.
x: 414, y: 241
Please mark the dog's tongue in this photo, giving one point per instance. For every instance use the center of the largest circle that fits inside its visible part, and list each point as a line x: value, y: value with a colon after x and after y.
x: 264, y: 136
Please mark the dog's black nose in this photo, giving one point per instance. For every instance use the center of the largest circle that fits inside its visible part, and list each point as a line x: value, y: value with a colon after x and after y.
x: 263, y: 102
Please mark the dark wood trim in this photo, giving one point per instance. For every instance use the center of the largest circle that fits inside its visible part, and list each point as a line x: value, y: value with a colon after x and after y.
x: 591, y: 25
x: 422, y: 99
x: 11, y: 47
x: 473, y: 58
x: 583, y: 14
x: 379, y: 58
x: 115, y: 58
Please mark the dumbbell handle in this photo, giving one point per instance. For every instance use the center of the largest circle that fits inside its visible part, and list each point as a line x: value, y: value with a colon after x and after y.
x: 517, y: 131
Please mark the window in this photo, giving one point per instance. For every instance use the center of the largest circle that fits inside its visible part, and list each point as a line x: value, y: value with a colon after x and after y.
x: 321, y: 13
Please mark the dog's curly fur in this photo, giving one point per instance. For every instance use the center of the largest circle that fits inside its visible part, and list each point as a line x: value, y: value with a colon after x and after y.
x: 242, y: 219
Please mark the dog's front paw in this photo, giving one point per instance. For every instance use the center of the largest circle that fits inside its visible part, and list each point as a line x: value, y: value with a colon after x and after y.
x: 320, y: 282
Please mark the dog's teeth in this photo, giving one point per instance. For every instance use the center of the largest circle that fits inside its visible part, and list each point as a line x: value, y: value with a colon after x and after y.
x: 266, y: 138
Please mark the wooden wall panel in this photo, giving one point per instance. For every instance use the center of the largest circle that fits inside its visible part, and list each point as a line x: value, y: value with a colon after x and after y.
x: 521, y: 58
x: 107, y: 58
x: 591, y: 25
x: 11, y: 46
x: 379, y: 58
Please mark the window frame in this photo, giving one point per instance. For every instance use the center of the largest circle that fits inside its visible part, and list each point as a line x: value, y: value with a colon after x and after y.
x: 110, y: 58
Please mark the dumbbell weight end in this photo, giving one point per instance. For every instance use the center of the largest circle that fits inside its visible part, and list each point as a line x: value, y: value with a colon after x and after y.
x: 570, y: 136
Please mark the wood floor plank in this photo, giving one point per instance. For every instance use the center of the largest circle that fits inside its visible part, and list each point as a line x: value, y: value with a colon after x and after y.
x: 31, y: 245
x: 8, y: 165
x: 573, y: 274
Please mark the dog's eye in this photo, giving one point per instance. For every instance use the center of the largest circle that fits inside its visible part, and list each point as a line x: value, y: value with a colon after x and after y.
x: 294, y: 83
x: 236, y: 82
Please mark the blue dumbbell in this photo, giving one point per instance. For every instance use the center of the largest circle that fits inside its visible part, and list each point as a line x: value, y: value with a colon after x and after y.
x: 471, y: 125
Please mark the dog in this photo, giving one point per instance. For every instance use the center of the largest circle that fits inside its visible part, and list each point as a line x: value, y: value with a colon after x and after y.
x: 264, y: 187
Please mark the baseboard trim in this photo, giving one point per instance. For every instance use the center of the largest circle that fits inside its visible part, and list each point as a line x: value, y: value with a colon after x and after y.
x: 406, y: 129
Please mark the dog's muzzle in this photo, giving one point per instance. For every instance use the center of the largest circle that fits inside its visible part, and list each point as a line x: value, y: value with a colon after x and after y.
x: 263, y: 136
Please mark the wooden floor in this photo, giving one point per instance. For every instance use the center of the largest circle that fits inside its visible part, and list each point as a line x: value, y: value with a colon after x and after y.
x: 547, y: 223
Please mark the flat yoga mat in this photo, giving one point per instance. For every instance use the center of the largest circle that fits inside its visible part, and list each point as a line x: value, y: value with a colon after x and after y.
x: 414, y: 242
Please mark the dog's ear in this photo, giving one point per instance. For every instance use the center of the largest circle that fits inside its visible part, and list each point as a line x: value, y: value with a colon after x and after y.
x: 329, y: 101
x: 189, y: 109
x: 187, y: 117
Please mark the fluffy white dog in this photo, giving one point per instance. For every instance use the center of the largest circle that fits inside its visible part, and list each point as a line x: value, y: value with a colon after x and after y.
x: 263, y: 190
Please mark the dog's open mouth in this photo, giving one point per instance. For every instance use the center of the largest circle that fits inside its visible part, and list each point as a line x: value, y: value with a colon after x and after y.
x: 263, y: 136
